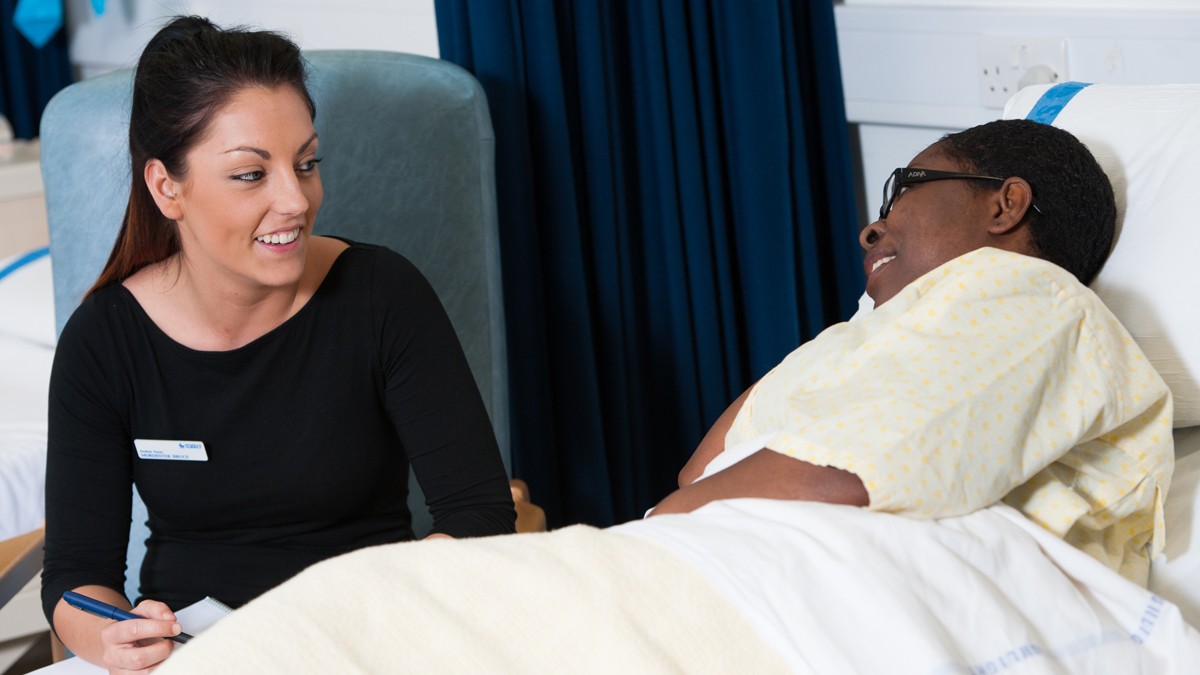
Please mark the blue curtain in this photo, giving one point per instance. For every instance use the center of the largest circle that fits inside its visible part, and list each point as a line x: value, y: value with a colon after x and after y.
x: 677, y: 214
x: 29, y: 76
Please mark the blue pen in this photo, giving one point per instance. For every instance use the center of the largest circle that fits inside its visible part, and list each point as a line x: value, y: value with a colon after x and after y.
x: 107, y: 611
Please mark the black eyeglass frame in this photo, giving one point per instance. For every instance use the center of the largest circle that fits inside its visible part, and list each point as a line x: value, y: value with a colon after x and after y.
x: 904, y: 176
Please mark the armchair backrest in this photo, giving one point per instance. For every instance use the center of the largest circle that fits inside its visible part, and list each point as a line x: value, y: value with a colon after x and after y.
x: 408, y: 150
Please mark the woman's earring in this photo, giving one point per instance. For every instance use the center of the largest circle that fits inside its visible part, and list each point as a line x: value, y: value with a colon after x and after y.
x: 169, y: 195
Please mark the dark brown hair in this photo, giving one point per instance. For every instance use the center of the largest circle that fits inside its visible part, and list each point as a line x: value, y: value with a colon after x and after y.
x: 188, y: 71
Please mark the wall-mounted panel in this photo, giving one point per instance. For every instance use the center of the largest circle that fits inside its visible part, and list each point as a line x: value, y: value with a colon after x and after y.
x: 921, y: 66
x: 911, y: 73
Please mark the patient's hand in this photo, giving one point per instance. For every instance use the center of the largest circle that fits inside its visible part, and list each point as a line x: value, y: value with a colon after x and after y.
x: 770, y: 475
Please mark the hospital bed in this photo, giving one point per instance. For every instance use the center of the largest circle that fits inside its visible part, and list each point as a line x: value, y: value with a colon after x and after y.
x: 756, y: 585
x: 828, y: 589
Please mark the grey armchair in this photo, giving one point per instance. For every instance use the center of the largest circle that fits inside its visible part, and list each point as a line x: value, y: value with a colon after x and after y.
x: 408, y: 164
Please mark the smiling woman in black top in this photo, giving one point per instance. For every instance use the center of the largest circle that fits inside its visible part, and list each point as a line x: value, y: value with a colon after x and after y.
x: 265, y: 389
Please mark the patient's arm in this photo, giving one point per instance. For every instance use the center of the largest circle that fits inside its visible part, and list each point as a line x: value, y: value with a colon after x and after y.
x: 771, y: 475
x: 713, y: 442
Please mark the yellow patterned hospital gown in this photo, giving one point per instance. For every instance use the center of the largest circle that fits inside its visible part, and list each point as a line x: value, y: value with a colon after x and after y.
x: 996, y: 376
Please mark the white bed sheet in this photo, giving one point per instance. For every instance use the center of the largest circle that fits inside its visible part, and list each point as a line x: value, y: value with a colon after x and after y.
x: 835, y: 589
x: 985, y: 593
x: 26, y: 353
x: 823, y: 588
x: 1175, y: 575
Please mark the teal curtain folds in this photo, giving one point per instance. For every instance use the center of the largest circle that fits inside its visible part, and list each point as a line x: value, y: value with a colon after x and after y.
x: 29, y: 75
x: 677, y: 214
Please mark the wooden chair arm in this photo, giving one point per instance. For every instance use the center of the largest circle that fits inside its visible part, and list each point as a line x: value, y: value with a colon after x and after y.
x: 20, y: 561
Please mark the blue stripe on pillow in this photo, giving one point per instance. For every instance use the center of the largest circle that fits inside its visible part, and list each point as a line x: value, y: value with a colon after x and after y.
x: 24, y: 260
x: 1054, y: 100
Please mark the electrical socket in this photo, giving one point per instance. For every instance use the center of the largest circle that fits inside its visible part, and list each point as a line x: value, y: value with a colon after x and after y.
x: 1008, y: 63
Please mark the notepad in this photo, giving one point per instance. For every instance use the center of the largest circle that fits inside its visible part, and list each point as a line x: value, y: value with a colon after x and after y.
x: 194, y: 618
x: 198, y: 616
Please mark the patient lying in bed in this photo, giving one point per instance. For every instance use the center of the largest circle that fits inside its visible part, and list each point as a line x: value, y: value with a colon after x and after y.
x: 999, y: 376
x: 987, y: 372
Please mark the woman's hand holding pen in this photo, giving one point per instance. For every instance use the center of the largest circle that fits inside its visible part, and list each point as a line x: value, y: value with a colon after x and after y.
x: 139, y: 645
x: 93, y: 622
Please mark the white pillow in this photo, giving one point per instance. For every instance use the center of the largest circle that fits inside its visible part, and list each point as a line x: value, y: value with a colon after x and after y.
x: 27, y: 298
x: 1146, y: 138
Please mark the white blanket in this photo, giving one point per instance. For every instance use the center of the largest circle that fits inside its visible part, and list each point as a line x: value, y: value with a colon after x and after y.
x: 820, y: 588
x: 836, y: 589
x: 577, y: 600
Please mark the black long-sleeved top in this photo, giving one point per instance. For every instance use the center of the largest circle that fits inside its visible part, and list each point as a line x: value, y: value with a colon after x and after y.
x: 309, y: 432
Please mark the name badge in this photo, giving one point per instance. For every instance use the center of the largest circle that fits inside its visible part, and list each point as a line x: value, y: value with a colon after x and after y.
x: 184, y: 451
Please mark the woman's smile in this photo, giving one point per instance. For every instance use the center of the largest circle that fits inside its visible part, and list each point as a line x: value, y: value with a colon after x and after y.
x: 278, y: 239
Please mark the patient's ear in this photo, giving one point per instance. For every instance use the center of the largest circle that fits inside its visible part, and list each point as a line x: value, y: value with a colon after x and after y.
x: 163, y: 189
x: 1010, y: 205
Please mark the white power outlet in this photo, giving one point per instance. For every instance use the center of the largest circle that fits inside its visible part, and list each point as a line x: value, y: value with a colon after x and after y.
x: 1008, y: 63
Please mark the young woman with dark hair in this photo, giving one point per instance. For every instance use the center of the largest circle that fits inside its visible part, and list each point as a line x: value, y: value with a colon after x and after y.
x: 294, y: 378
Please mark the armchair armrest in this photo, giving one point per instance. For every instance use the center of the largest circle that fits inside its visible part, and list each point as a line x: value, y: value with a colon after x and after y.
x: 20, y: 561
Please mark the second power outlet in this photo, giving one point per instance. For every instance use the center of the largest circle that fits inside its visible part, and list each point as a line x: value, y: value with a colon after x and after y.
x: 1008, y: 63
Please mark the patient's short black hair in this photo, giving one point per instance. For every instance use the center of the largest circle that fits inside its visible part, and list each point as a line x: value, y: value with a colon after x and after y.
x: 1076, y: 217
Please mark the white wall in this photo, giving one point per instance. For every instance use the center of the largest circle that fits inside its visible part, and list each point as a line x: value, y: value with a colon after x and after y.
x: 911, y: 73
x: 910, y: 68
x: 115, y: 39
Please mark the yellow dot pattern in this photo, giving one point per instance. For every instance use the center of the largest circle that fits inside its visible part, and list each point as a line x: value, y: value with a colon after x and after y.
x: 996, y: 376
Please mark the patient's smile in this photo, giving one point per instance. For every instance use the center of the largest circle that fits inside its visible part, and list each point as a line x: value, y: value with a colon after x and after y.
x: 882, y: 261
